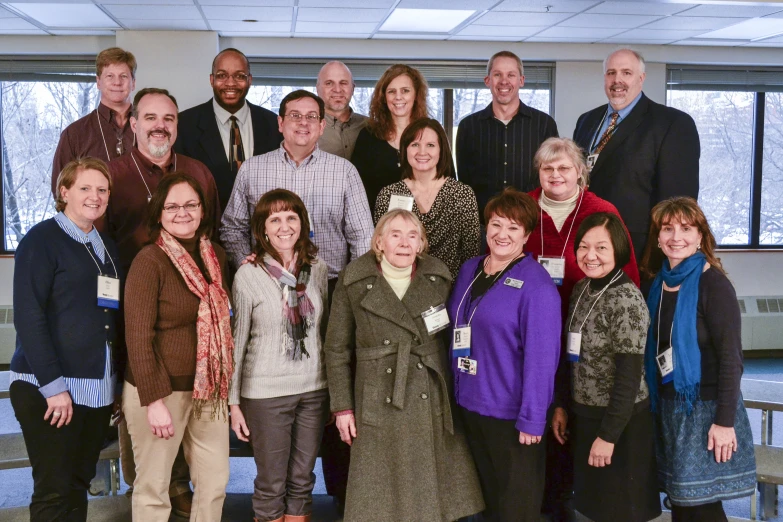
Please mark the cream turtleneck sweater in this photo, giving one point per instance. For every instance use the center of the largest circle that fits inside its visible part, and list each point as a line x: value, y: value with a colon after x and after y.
x: 558, y: 210
x: 398, y: 278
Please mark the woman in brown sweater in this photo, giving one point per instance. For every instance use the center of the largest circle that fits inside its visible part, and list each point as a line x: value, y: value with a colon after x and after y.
x: 180, y: 354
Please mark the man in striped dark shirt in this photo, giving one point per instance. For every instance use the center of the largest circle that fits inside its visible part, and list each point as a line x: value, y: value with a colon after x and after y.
x: 495, y: 146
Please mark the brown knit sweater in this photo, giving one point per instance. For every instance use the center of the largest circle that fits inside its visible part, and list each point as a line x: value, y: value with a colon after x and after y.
x: 160, y: 322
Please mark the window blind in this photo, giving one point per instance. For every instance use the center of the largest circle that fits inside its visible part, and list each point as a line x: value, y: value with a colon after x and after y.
x: 704, y: 78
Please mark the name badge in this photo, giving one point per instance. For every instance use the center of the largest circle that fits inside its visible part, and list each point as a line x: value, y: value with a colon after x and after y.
x: 555, y: 266
x: 435, y: 319
x: 312, y: 230
x: 573, y: 346
x: 396, y: 201
x: 149, y: 198
x: 108, y: 292
x: 461, y: 341
x: 591, y: 161
x: 516, y: 283
x: 467, y: 365
x: 666, y: 365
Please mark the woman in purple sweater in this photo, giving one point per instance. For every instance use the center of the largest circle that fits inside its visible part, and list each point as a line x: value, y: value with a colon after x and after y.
x: 505, y: 312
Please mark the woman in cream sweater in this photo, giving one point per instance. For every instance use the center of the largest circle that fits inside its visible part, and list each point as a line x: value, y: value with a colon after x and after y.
x: 279, y: 396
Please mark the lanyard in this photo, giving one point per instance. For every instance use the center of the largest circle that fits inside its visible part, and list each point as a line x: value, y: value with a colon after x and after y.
x: 671, y: 333
x: 604, y: 289
x: 100, y: 272
x: 486, y: 261
x: 541, y: 222
x: 142, y: 176
x: 100, y: 126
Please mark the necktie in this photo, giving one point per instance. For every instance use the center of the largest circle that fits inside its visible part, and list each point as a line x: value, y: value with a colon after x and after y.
x: 607, y: 133
x: 236, y: 151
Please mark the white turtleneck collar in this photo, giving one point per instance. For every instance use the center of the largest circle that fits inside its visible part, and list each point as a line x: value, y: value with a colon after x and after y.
x: 398, y: 278
x: 558, y: 210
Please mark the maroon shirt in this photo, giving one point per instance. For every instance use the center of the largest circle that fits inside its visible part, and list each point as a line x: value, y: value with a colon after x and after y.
x: 83, y: 138
x: 125, y: 219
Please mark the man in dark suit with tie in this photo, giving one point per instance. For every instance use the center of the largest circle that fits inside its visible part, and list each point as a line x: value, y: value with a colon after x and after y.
x: 640, y: 152
x: 226, y: 130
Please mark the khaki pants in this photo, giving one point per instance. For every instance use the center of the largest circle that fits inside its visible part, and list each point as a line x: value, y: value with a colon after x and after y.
x: 205, y: 443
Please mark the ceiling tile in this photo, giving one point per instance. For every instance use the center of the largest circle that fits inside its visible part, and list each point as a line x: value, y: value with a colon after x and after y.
x: 80, y: 32
x: 630, y: 40
x: 474, y: 5
x: 732, y: 11
x: 162, y: 12
x: 748, y: 29
x: 776, y: 39
x: 687, y: 23
x: 166, y: 25
x: 649, y: 34
x: 487, y: 38
x: 763, y: 44
x: 776, y: 15
x: 563, y: 39
x: 337, y: 28
x: 237, y: 26
x: 639, y: 8
x: 23, y: 31
x: 267, y: 14
x: 577, y: 33
x: 608, y: 21
x: 322, y: 14
x: 252, y: 3
x: 16, y: 24
x: 710, y: 43
x: 66, y: 15
x: 331, y: 35
x: 245, y: 34
x: 407, y: 36
x: 540, y: 6
x: 348, y: 3
x: 493, y: 30
x: 522, y: 19
x: 145, y: 2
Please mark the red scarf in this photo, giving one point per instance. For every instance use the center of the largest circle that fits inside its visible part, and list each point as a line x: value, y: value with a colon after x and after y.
x: 215, y: 347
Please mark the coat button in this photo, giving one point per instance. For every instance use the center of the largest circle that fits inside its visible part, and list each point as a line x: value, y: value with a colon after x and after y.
x: 105, y: 309
x: 419, y: 366
x: 415, y: 338
x: 432, y: 278
x: 388, y: 400
x: 369, y: 286
x: 388, y: 370
x: 386, y: 341
x: 423, y: 396
x: 107, y: 326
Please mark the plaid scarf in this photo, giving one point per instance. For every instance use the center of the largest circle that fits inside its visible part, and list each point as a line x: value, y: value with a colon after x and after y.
x: 215, y: 345
x: 298, y: 310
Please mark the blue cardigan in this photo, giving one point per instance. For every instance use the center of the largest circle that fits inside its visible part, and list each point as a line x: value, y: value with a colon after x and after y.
x: 60, y: 329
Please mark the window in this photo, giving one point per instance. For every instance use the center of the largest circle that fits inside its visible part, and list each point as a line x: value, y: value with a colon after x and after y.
x: 739, y: 115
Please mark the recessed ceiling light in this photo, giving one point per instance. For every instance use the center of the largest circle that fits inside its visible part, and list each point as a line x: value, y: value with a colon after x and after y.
x: 753, y: 29
x: 425, y: 20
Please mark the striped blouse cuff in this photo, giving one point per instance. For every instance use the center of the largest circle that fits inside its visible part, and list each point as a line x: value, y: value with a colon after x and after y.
x: 53, y: 388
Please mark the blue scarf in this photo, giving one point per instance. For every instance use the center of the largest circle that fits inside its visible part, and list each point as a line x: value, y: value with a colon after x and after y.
x: 687, y: 357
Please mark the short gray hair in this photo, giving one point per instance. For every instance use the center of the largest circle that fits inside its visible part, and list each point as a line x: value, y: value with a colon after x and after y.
x: 554, y: 148
x: 383, y: 226
x: 637, y: 54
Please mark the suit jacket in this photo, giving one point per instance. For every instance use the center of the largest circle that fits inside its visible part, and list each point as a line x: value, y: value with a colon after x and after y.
x: 199, y: 138
x: 652, y: 156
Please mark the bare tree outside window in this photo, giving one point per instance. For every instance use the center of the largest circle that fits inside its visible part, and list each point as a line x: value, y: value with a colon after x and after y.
x: 771, y: 232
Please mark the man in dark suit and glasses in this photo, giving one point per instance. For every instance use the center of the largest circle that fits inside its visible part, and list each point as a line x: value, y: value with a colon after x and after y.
x: 641, y: 152
x: 227, y: 130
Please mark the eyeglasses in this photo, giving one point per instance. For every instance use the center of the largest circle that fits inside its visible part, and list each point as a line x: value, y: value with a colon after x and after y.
x: 562, y: 170
x: 312, y: 117
x: 189, y: 207
x: 239, y: 77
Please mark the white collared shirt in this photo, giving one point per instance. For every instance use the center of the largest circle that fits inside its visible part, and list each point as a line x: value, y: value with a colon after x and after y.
x: 245, y: 127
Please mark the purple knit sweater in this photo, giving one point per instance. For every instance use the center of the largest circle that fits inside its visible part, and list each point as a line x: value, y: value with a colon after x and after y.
x: 515, y: 337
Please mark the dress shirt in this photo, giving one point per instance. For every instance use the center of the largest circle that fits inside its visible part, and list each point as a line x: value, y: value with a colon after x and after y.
x: 339, y: 137
x: 622, y: 114
x: 93, y: 393
x: 331, y: 190
x: 245, y: 123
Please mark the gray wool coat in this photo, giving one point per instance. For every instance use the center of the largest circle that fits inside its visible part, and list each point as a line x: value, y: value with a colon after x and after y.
x: 410, y: 460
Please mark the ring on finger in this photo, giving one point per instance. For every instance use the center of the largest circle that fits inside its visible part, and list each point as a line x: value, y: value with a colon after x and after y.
x: 57, y: 414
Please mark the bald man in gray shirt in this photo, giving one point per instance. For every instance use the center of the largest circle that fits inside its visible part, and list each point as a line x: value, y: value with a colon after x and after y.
x: 335, y: 87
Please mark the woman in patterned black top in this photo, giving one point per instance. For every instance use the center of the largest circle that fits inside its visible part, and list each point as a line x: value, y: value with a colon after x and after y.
x: 446, y: 207
x: 614, y: 456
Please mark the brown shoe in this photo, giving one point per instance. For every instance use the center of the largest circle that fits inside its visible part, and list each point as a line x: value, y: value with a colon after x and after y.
x: 297, y: 518
x: 181, y: 504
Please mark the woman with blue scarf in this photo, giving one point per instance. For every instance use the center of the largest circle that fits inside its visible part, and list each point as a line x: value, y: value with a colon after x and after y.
x: 693, y: 366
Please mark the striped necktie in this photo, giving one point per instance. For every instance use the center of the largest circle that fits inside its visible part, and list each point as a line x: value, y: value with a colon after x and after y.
x: 607, y: 133
x: 236, y: 151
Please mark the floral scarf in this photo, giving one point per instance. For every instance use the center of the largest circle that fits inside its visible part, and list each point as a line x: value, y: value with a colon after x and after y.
x: 215, y: 345
x: 298, y: 311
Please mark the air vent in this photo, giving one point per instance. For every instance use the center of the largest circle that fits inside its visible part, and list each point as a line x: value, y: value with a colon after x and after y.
x: 6, y: 315
x: 774, y: 306
x: 741, y: 303
x: 771, y: 305
x: 761, y: 304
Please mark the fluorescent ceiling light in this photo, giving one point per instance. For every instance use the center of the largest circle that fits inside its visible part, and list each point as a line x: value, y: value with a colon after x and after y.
x: 752, y: 29
x: 425, y: 20
x: 66, y: 15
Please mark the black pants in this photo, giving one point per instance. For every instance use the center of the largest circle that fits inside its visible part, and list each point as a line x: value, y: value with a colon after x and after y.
x: 63, y: 459
x: 712, y: 512
x: 511, y: 474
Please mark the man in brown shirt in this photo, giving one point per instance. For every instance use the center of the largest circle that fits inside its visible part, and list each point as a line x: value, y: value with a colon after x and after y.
x: 135, y: 176
x: 104, y: 133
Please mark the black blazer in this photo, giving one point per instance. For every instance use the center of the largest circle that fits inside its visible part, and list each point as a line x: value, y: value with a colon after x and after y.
x: 652, y: 156
x: 198, y: 137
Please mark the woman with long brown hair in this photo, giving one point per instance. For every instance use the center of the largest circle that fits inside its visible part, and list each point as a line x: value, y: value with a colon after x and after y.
x: 279, y: 396
x: 400, y: 97
x: 693, y: 367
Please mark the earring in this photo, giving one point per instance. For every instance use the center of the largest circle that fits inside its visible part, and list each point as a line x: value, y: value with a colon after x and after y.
x: 266, y: 238
x: 698, y: 247
x: 659, y: 244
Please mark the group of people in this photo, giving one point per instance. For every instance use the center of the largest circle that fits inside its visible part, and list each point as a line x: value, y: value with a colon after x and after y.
x: 322, y: 284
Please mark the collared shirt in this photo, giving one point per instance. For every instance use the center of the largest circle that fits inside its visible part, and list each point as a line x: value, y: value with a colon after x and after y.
x: 492, y: 155
x: 339, y: 138
x: 93, y: 393
x: 244, y: 121
x: 96, y: 135
x: 331, y: 190
x: 622, y: 114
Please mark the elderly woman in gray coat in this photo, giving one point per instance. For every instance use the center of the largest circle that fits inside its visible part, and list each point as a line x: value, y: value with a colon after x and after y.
x: 409, y: 459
